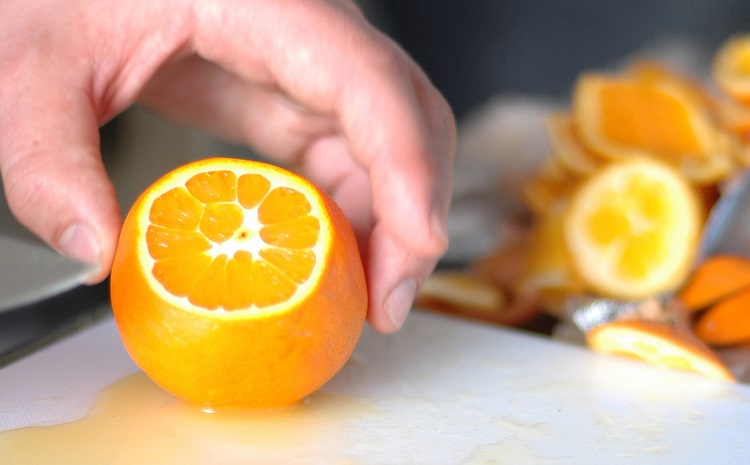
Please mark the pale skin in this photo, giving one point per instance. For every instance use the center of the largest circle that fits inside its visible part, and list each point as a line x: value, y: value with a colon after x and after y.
x: 308, y: 83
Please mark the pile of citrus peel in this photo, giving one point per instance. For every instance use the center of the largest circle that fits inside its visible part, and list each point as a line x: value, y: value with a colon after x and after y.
x: 636, y: 163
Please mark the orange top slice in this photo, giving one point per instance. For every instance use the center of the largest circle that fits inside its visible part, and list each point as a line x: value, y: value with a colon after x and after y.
x: 225, y: 230
x: 659, y: 344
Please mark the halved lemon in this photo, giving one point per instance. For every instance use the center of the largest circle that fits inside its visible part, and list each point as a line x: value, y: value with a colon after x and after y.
x: 632, y: 229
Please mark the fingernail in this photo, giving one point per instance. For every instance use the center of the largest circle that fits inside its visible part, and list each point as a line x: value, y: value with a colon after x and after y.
x: 79, y: 243
x: 399, y: 301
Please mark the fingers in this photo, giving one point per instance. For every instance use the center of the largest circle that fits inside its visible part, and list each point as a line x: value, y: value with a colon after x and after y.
x: 394, y: 275
x: 411, y: 197
x: 52, y: 173
x: 381, y: 109
x: 330, y: 62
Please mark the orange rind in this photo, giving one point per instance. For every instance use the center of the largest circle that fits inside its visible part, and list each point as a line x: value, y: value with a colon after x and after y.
x: 658, y: 343
x: 238, y: 284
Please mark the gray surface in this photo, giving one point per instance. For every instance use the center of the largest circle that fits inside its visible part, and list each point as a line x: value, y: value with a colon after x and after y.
x: 29, y: 269
x: 442, y: 391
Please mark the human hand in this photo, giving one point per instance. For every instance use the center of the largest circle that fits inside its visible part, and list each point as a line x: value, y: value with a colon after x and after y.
x: 308, y: 83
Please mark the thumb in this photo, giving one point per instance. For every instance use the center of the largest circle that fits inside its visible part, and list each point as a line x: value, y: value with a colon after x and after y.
x: 53, y: 176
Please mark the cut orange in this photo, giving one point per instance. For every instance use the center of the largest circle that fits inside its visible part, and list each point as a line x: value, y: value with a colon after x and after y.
x: 446, y: 290
x: 731, y: 68
x: 238, y: 284
x: 727, y: 322
x: 550, y: 189
x: 567, y: 146
x: 718, y: 277
x: 658, y: 343
x: 639, y: 115
x: 655, y: 72
x: 632, y: 229
x: 550, y: 270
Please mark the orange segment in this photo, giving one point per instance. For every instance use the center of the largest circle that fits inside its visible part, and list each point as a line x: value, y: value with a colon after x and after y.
x: 220, y: 221
x: 176, y: 209
x: 165, y: 242
x: 252, y: 189
x: 213, y: 186
x: 283, y: 204
x: 238, y: 284
x: 178, y: 274
x: 658, y: 343
x: 632, y: 229
x: 298, y: 264
x: 297, y: 233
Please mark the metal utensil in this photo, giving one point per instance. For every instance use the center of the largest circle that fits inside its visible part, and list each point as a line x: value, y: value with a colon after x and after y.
x: 727, y: 229
x: 29, y: 269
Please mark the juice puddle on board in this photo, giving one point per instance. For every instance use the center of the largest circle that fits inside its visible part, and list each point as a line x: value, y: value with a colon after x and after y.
x: 136, y: 422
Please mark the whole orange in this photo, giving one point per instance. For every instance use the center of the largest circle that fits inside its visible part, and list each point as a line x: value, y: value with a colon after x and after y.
x: 238, y: 284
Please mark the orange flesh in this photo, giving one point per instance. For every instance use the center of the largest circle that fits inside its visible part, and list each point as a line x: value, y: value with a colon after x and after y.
x: 265, y: 262
x: 647, y: 118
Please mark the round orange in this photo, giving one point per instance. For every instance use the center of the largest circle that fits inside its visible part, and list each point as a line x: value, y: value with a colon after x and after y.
x: 237, y: 284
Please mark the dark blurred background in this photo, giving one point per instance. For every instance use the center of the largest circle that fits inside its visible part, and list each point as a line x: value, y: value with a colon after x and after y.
x: 474, y: 49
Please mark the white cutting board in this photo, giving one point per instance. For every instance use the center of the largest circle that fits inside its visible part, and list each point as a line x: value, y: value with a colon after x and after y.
x: 446, y: 391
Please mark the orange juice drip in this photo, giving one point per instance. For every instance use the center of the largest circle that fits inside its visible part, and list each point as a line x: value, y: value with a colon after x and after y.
x: 136, y: 422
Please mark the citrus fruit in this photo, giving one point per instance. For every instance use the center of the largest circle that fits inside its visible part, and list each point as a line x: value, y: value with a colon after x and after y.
x: 550, y: 189
x: 731, y: 68
x: 238, y: 284
x: 727, y: 322
x: 658, y: 343
x: 632, y: 229
x: 629, y: 116
x: 567, y: 146
x: 450, y: 289
x: 717, y: 278
x: 550, y: 270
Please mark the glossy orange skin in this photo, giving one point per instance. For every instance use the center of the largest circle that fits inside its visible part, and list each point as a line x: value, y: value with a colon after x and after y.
x: 727, y: 322
x: 252, y: 363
